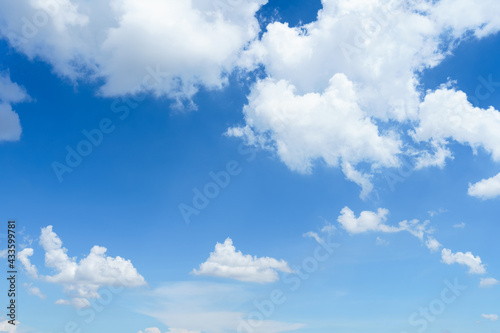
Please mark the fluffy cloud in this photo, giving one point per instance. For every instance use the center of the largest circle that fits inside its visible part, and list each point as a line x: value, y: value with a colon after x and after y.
x: 84, y: 278
x: 81, y: 279
x: 306, y: 127
x: 380, y: 48
x: 226, y: 262
x: 151, y: 330
x: 432, y: 244
x: 10, y: 93
x: 486, y: 188
x: 488, y: 282
x: 447, y: 114
x: 23, y: 257
x: 178, y: 44
x: 468, y: 259
x: 375, y: 221
x: 492, y: 317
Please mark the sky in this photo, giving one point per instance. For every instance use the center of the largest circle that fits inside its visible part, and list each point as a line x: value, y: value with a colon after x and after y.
x: 251, y: 166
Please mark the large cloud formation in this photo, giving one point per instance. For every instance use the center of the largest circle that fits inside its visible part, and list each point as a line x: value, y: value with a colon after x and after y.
x: 180, y: 44
x: 342, y: 90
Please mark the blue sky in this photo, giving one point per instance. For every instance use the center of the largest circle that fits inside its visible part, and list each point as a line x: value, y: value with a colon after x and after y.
x: 355, y: 150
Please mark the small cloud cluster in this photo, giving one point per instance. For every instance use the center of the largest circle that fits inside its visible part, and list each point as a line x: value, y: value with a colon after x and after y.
x: 226, y: 262
x: 369, y: 221
x: 81, y: 279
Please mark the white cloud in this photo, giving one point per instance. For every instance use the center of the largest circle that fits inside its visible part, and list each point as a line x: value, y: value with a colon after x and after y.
x: 151, y: 330
x: 35, y: 291
x: 378, y: 47
x: 488, y: 282
x: 192, y: 43
x: 3, y: 254
x: 432, y: 244
x: 8, y: 328
x: 23, y: 257
x: 381, y: 242
x: 371, y: 221
x: 367, y: 221
x: 76, y: 302
x: 81, y: 280
x: 10, y: 93
x: 468, y: 259
x: 328, y: 126
x: 313, y: 235
x: 486, y: 188
x: 226, y: 262
x: 459, y: 225
x: 447, y: 114
x: 492, y: 317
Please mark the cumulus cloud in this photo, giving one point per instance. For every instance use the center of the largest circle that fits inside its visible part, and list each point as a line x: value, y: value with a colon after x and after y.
x: 492, y: 317
x: 447, y: 114
x: 10, y: 93
x: 151, y: 330
x: 468, y: 259
x: 24, y: 258
x: 369, y: 221
x: 375, y: 221
x: 81, y: 279
x: 84, y: 278
x: 380, y: 48
x: 488, y: 282
x: 177, y: 44
x: 226, y: 262
x: 328, y: 126
x: 331, y: 85
x: 432, y: 244
x: 486, y: 188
